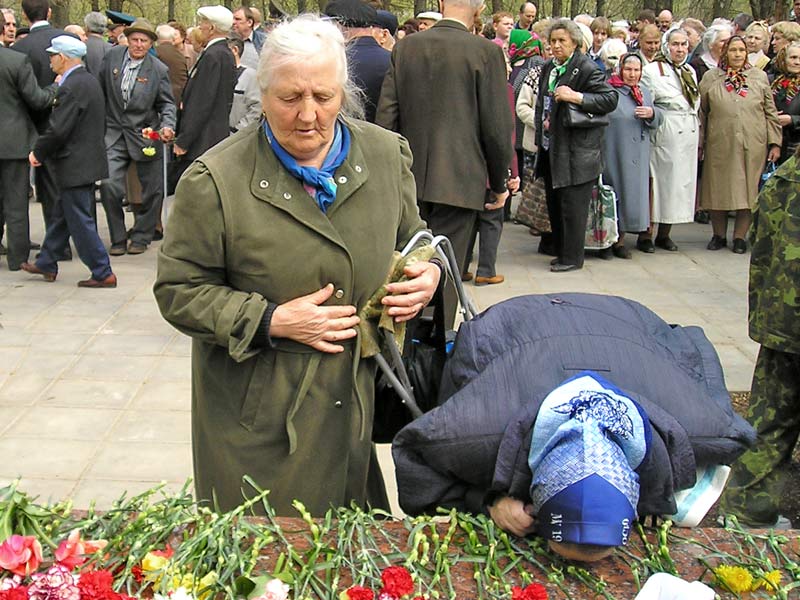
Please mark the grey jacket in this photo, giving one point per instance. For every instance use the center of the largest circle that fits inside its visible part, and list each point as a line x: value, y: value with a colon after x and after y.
x: 150, y: 105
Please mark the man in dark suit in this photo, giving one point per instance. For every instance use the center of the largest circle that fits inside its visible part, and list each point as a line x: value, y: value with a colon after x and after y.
x: 138, y: 96
x: 208, y: 96
x: 96, y: 45
x: 73, y: 146
x: 445, y: 92
x: 34, y: 45
x: 367, y: 60
x: 19, y: 95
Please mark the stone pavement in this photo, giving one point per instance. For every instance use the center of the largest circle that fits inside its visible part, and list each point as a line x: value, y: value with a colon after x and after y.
x: 94, y: 384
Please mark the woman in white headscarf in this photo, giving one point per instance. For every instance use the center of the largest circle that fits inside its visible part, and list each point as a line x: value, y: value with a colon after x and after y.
x: 673, y: 155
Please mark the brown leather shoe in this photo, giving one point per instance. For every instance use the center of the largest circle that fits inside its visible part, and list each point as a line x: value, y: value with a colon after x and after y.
x: 134, y: 248
x: 467, y: 276
x: 32, y: 268
x: 489, y: 280
x: 108, y: 282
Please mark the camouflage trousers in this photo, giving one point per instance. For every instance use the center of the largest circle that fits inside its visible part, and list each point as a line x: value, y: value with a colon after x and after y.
x: 758, y: 479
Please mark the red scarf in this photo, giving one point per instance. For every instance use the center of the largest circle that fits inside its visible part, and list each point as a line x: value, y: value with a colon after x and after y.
x: 616, y: 81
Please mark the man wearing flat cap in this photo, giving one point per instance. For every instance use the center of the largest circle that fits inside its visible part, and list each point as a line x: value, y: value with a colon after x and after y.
x: 367, y: 59
x: 73, y: 146
x: 208, y: 95
x: 138, y: 96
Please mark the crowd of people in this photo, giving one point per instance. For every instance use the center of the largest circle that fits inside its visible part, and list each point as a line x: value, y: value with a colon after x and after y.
x: 304, y: 155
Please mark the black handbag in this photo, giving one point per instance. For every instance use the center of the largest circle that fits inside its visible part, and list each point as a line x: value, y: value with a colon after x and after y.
x: 577, y: 118
x: 424, y: 355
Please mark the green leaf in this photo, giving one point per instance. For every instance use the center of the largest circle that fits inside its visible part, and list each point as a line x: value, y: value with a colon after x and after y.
x: 243, y: 586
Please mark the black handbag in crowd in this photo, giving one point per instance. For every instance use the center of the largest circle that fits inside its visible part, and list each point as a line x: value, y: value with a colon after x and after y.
x: 577, y: 118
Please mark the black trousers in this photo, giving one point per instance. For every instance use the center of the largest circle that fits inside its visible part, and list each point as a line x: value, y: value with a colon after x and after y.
x: 457, y: 224
x: 14, y: 208
x: 568, y: 209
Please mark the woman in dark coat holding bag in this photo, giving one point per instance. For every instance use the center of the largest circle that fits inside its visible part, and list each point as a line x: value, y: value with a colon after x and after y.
x: 570, y: 157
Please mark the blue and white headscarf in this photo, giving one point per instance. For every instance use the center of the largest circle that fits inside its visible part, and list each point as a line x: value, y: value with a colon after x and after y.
x: 587, y: 441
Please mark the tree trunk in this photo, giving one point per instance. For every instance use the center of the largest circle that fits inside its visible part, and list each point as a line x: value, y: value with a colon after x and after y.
x: 170, y: 10
x: 557, y: 10
x: 96, y: 5
x: 600, y: 7
x: 497, y: 6
x: 419, y: 6
x: 322, y: 4
x: 651, y: 4
x: 665, y: 5
x: 60, y: 16
x: 573, y: 8
x: 115, y: 5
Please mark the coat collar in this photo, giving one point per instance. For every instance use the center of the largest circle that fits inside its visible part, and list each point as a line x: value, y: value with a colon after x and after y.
x: 450, y: 23
x: 273, y: 184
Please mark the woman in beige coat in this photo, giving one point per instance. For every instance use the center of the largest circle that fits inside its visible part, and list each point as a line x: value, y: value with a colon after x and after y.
x: 278, y: 237
x: 740, y: 132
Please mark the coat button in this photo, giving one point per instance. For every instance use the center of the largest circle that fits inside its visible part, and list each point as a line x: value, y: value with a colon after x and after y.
x: 338, y: 404
x: 263, y: 184
x: 339, y: 294
x: 342, y: 179
x: 287, y: 196
x: 358, y: 168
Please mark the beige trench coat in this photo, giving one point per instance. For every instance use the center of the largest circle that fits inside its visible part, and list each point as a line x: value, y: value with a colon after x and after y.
x: 737, y: 133
x: 243, y: 232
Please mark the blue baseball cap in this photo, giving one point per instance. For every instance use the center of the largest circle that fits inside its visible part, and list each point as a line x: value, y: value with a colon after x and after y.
x: 68, y: 46
x: 587, y: 441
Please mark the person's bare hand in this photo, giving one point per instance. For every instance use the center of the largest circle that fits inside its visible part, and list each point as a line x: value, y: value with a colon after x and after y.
x: 167, y: 134
x: 513, y: 184
x: 784, y: 119
x: 774, y: 153
x: 643, y: 112
x: 499, y: 201
x: 34, y: 162
x: 305, y: 320
x: 178, y: 150
x: 407, y: 298
x: 511, y: 515
x: 564, y: 93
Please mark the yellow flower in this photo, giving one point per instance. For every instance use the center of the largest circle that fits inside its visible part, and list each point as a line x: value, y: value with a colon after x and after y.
x: 770, y: 581
x: 152, y: 562
x: 205, y: 587
x: 149, y: 151
x: 736, y: 579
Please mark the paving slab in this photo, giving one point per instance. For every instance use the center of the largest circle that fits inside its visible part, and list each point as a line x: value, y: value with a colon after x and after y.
x: 95, y: 385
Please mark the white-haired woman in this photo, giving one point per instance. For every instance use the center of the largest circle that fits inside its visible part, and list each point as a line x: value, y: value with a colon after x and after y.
x: 710, y: 50
x: 278, y: 237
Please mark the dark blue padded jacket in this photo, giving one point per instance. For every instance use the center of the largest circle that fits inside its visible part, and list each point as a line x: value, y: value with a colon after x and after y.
x: 505, y: 362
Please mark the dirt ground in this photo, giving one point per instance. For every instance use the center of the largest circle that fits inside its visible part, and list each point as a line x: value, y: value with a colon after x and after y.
x: 790, y: 503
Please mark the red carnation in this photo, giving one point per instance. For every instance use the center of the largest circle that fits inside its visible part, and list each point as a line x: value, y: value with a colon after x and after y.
x: 358, y: 592
x: 18, y: 593
x: 96, y: 585
x: 397, y: 582
x: 534, y: 591
x: 138, y: 574
x: 785, y: 83
x: 154, y: 135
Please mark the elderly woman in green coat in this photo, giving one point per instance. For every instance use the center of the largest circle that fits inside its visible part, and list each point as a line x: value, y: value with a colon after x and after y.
x: 278, y: 237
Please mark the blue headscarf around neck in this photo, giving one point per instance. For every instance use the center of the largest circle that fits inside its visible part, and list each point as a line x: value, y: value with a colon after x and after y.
x: 319, y: 179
